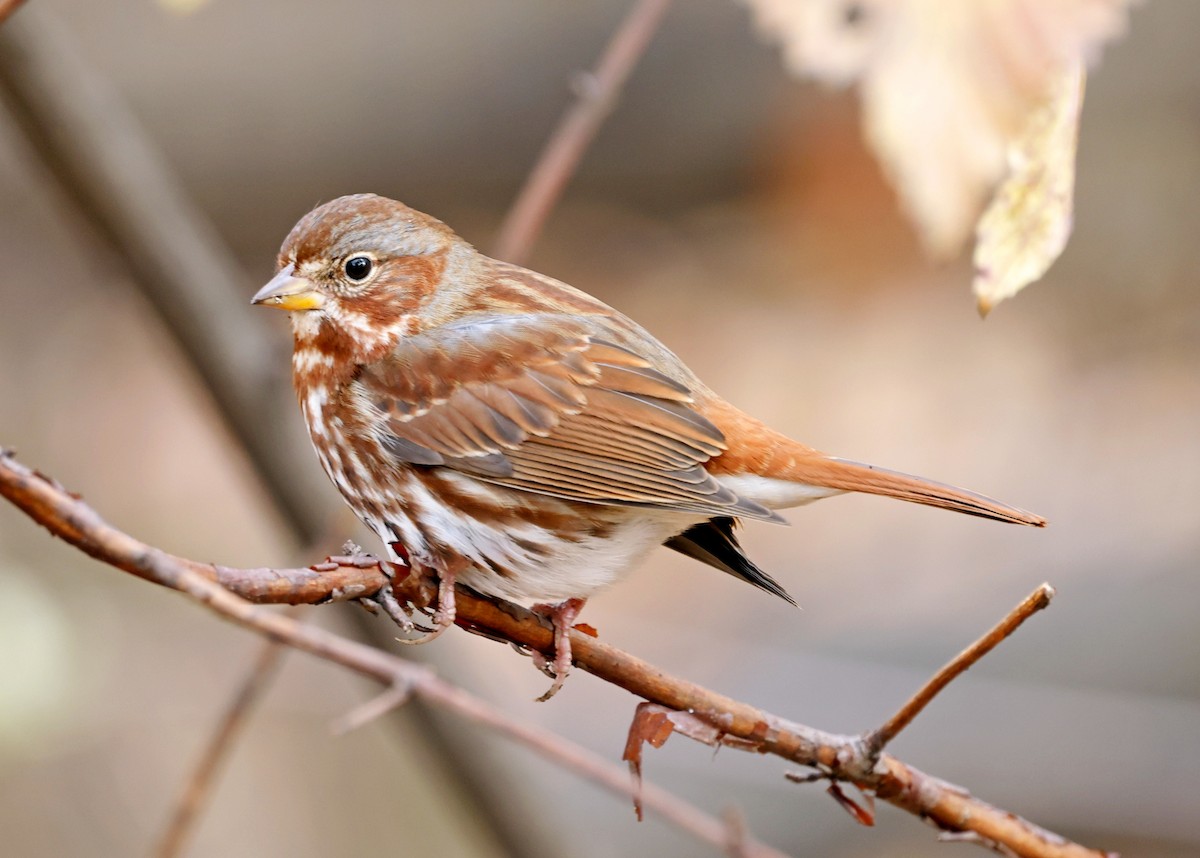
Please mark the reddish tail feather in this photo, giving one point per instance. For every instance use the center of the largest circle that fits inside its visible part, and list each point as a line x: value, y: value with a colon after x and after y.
x: 845, y: 475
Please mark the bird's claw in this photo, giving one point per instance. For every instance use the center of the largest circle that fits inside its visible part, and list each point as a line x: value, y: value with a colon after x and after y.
x: 386, y: 599
x: 443, y: 617
x: 562, y: 616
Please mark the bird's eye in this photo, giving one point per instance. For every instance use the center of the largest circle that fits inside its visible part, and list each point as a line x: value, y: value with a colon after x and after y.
x: 358, y: 267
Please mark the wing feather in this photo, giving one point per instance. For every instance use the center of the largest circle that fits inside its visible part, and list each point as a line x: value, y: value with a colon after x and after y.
x: 549, y: 404
x: 523, y: 416
x: 587, y: 433
x: 643, y: 381
x: 670, y: 419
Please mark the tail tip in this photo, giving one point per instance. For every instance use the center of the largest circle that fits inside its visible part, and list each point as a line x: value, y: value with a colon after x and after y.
x: 1031, y: 519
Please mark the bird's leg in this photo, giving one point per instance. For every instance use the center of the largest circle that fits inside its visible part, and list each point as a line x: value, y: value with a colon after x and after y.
x: 562, y: 616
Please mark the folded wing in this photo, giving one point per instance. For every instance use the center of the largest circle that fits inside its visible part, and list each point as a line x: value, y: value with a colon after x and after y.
x: 547, y: 403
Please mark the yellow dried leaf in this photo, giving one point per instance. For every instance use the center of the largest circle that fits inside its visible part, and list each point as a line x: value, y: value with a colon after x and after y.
x: 182, y: 7
x: 945, y: 85
x: 1028, y: 221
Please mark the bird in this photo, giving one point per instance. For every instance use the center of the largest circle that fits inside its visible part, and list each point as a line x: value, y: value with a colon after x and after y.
x: 500, y: 429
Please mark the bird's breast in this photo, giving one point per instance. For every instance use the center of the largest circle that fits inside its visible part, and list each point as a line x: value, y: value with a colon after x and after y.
x: 523, y: 546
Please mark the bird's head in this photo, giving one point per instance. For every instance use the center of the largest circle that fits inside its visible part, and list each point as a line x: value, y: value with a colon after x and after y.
x: 361, y: 266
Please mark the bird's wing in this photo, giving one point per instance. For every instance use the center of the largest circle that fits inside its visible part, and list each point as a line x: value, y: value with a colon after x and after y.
x: 547, y: 404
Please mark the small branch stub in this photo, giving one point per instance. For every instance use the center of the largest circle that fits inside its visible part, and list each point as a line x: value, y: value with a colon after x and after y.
x: 879, y: 738
x: 688, y: 708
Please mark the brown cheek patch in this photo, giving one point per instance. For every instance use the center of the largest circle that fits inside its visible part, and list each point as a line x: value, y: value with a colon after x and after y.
x: 404, y: 286
x: 394, y: 302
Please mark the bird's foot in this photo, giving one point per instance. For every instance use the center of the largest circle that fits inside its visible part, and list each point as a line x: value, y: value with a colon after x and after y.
x: 410, y: 588
x: 387, y: 598
x: 562, y: 616
x: 443, y: 615
x: 392, y: 598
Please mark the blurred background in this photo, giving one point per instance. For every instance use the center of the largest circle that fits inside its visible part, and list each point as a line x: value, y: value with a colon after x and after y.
x: 736, y: 213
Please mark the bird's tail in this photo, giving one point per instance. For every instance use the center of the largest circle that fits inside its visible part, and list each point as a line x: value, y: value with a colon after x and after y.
x: 847, y: 476
x: 779, y: 472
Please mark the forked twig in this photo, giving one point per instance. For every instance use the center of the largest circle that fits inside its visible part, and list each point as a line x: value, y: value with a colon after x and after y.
x: 878, y: 739
x: 596, y: 94
x: 839, y: 757
x: 69, y: 518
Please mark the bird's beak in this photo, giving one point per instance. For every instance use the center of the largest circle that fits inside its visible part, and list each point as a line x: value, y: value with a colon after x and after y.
x: 288, y: 292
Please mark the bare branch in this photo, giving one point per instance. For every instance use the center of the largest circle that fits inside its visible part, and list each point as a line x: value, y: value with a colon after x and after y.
x: 878, y: 739
x: 90, y: 141
x: 595, y: 95
x: 837, y: 757
x: 220, y: 746
x: 69, y: 518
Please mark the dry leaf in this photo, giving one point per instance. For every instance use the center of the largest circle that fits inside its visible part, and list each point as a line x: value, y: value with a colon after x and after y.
x: 945, y: 86
x: 1027, y: 224
x: 654, y: 724
x: 182, y: 7
x: 651, y: 723
x: 863, y: 814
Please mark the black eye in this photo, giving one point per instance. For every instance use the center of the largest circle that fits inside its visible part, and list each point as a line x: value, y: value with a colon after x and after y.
x: 358, y: 267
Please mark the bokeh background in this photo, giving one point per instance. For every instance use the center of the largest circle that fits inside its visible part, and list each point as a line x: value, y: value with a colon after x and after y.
x: 736, y: 213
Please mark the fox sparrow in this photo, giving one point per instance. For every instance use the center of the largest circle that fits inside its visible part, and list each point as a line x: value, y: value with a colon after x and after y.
x: 499, y: 428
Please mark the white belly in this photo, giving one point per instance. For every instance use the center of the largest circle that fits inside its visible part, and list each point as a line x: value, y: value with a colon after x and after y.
x: 514, y: 556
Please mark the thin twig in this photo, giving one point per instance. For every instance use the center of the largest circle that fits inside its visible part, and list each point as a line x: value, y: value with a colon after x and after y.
x: 840, y: 757
x: 595, y: 95
x: 73, y: 520
x: 220, y: 746
x: 374, y: 708
x: 879, y: 738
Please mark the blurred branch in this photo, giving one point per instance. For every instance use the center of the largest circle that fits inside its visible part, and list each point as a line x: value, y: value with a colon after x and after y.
x: 596, y: 94
x: 836, y: 757
x: 220, y: 746
x: 87, y: 137
x: 7, y: 7
x: 69, y: 518
x: 79, y: 125
x: 89, y: 140
x: 92, y: 144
